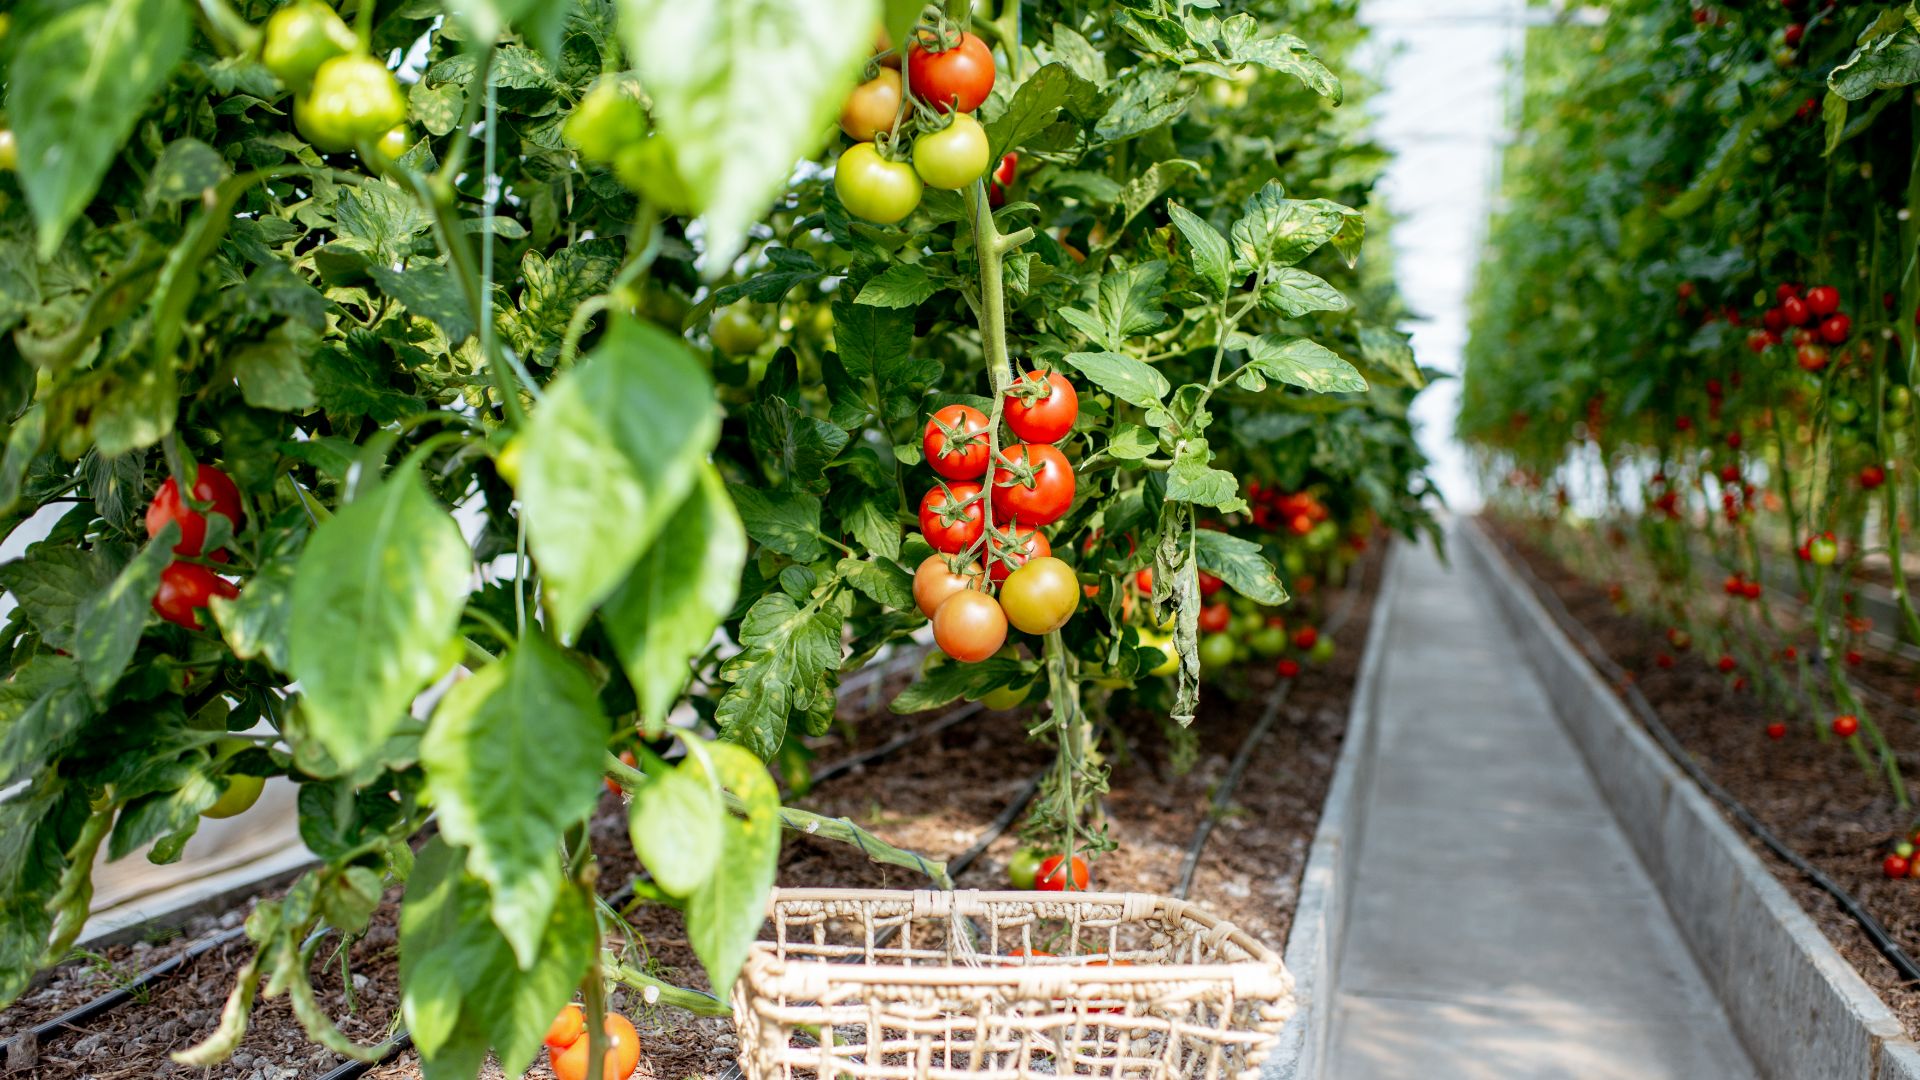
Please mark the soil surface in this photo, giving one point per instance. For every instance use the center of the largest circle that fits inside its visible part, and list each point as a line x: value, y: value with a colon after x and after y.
x: 940, y: 796
x: 1807, y: 789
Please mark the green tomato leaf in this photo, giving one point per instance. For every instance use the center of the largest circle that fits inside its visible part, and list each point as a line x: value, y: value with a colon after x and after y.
x: 725, y: 915
x: 1192, y: 480
x: 79, y: 77
x: 1293, y: 292
x: 42, y: 708
x: 1296, y: 362
x: 1885, y: 63
x: 1206, y: 249
x: 513, y: 758
x: 51, y: 582
x: 668, y: 608
x: 1035, y: 102
x: 741, y: 90
x: 187, y: 167
x: 1142, y: 190
x: 256, y: 623
x: 786, y: 648
x: 1130, y: 380
x: 1240, y: 564
x: 950, y: 682
x: 609, y: 457
x: 1275, y: 231
x: 376, y: 600
x: 678, y: 823
x: 37, y: 828
x: 109, y: 622
x: 902, y: 285
x: 786, y: 521
x: 880, y: 581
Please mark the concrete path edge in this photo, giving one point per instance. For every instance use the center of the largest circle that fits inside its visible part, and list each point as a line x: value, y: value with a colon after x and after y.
x: 1800, y: 1009
x: 1320, y: 918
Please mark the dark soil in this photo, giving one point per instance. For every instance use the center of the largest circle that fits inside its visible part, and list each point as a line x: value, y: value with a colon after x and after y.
x: 939, y: 796
x: 1807, y: 789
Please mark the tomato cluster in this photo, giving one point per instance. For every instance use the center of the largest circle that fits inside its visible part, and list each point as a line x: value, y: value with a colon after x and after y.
x: 1029, y: 869
x: 343, y: 97
x: 568, y: 1046
x: 1902, y: 863
x: 188, y: 587
x: 949, y: 74
x: 1033, y: 485
x: 1812, y: 321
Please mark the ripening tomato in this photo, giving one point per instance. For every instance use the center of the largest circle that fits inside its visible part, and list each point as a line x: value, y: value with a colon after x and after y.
x: 1287, y: 668
x: 354, y: 97
x: 1214, y: 618
x: 302, y: 36
x: 1894, y: 866
x: 970, y: 626
x: 1811, y: 357
x: 1040, y: 596
x: 872, y: 106
x: 960, y: 77
x: 623, y: 1053
x: 956, y: 442
x: 874, y: 188
x: 951, y: 517
x: 210, y: 485
x: 1053, y: 874
x: 186, y: 588
x: 1823, y: 300
x: 1143, y: 580
x: 1005, y: 558
x: 1170, y: 656
x: 1022, y: 869
x: 568, y: 1026
x: 237, y: 797
x: 954, y: 156
x: 1045, y: 416
x: 1033, y: 484
x: 935, y: 580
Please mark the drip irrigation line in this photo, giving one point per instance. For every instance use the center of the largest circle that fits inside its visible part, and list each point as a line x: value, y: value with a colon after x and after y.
x: 89, y: 1010
x: 1223, y: 795
x: 892, y: 746
x: 1596, y: 655
x: 349, y: 1070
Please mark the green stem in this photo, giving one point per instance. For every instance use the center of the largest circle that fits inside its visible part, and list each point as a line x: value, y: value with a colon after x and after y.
x: 654, y: 990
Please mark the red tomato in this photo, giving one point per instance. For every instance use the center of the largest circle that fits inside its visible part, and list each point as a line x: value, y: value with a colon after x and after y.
x: 1872, y: 476
x: 1033, y: 484
x: 185, y: 588
x: 935, y: 580
x: 1214, y: 618
x: 1143, y: 580
x: 955, y: 442
x: 1044, y: 417
x: 623, y: 1053
x: 1305, y: 637
x: 961, y: 76
x: 970, y: 626
x: 951, y: 518
x: 1052, y: 876
x: 1895, y: 867
x: 630, y: 761
x: 210, y: 485
x: 1846, y: 725
x: 1776, y: 731
x: 1835, y: 329
x: 1006, y: 558
x: 1795, y: 311
x: 1287, y: 668
x: 1009, y: 166
x: 1823, y: 300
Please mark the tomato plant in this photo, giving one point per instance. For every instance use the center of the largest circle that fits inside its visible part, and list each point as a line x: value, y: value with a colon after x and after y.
x: 500, y: 346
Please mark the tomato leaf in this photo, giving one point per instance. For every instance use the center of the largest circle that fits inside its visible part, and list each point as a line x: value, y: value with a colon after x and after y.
x: 256, y: 623
x: 1886, y: 63
x: 1293, y: 292
x: 1192, y: 480
x: 513, y: 758
x: 902, y: 285
x: 1206, y: 249
x: 38, y: 827
x: 42, y: 708
x: 1296, y: 362
x: 677, y: 824
x: 460, y: 987
x: 1240, y: 564
x: 1034, y: 104
x: 880, y: 581
x: 609, y: 457
x: 1142, y: 190
x: 1275, y: 231
x: 725, y: 915
x: 949, y: 682
x: 666, y: 611
x: 376, y: 599
x: 51, y: 582
x: 786, y: 521
x: 741, y: 90
x: 1130, y: 380
x: 79, y: 77
x: 786, y: 648
x: 108, y: 623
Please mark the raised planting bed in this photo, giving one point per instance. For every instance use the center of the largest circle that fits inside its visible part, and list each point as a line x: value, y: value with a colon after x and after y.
x: 953, y: 792
x: 1684, y: 761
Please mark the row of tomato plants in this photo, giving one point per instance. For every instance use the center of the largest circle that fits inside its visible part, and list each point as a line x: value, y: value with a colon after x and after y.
x: 1696, y: 319
x: 446, y: 408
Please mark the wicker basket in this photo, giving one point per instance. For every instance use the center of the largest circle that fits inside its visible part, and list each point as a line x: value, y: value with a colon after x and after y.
x: 877, y: 985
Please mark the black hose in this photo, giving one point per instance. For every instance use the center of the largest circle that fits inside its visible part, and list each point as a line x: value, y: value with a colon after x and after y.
x: 1596, y: 655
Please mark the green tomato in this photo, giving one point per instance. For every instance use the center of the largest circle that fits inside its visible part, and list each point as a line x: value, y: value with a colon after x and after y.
x: 1268, y: 641
x: 1153, y: 639
x: 242, y: 791
x: 605, y: 122
x: 1823, y: 551
x: 1216, y: 651
x: 1899, y: 398
x: 1294, y: 562
x: 1322, y: 650
x: 647, y: 167
x: 954, y: 156
x: 302, y: 36
x: 1247, y: 623
x: 1845, y: 410
x: 354, y: 97
x: 1006, y: 697
x: 736, y: 332
x: 874, y: 188
x: 1023, y: 868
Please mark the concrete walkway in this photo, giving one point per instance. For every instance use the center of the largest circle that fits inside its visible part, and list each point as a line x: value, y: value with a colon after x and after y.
x: 1500, y: 926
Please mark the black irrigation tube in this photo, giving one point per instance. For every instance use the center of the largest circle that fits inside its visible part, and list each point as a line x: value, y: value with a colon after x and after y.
x: 1250, y: 745
x: 1596, y: 655
x: 348, y: 1070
